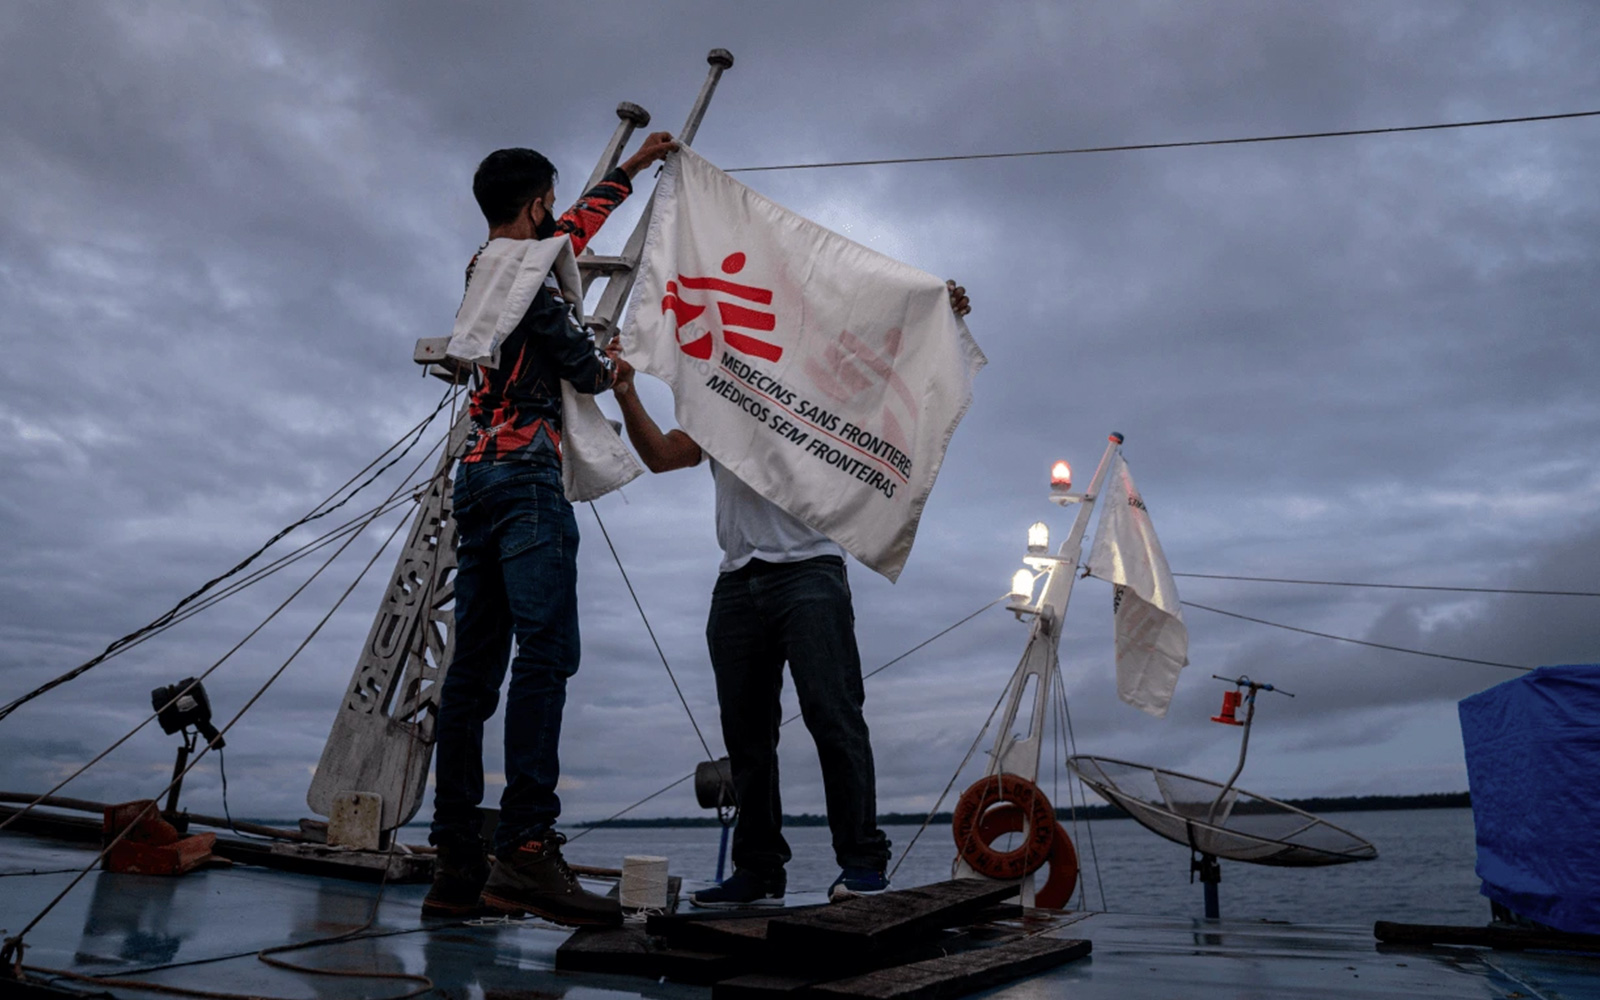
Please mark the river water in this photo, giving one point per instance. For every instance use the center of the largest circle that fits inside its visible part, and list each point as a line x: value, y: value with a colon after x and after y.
x: 1423, y: 873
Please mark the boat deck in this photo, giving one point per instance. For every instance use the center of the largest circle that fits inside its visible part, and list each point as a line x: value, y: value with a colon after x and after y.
x: 203, y: 930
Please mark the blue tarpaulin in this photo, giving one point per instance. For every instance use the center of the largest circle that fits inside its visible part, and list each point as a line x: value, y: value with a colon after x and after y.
x: 1533, y: 764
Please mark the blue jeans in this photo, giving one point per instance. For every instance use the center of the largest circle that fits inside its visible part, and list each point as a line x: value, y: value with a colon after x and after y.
x: 516, y: 576
x: 763, y: 615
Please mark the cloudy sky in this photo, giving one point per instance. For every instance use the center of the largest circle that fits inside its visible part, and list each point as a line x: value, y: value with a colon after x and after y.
x: 1361, y: 359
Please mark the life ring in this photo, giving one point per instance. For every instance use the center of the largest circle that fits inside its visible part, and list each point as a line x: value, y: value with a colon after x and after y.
x: 1032, y: 806
x: 1057, y: 889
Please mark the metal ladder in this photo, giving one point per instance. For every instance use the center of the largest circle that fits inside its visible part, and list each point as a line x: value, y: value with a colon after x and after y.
x: 381, y: 741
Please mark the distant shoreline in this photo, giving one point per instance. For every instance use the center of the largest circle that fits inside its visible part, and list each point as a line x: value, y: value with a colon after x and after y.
x: 1319, y: 804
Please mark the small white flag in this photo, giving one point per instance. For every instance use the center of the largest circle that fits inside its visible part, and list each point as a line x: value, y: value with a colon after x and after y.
x: 826, y: 376
x: 1152, y: 642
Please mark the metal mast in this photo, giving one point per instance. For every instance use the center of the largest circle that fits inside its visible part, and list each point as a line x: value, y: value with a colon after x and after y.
x: 1017, y: 752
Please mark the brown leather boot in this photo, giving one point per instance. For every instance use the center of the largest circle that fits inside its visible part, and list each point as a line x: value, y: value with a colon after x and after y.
x: 459, y: 872
x: 534, y: 878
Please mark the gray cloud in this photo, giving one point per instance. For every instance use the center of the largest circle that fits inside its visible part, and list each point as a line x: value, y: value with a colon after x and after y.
x: 1366, y: 359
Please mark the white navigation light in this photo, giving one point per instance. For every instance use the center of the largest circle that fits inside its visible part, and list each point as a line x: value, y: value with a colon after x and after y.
x: 1022, y: 586
x: 1038, y: 538
x: 1060, y: 477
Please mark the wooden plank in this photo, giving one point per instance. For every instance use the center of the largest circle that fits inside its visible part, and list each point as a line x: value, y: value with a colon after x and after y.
x: 630, y: 951
x: 956, y: 975
x: 784, y: 984
x: 849, y: 929
x: 713, y: 930
x: 1503, y: 938
x: 762, y: 986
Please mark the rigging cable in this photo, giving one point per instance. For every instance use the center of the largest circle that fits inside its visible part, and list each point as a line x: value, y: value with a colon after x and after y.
x: 379, y: 511
x: 266, y: 955
x: 951, y: 783
x: 11, y: 950
x: 1393, y: 586
x: 167, y: 617
x: 785, y: 722
x: 913, y: 649
x: 408, y: 494
x: 1088, y: 821
x: 671, y: 676
x: 1358, y: 642
x: 1134, y: 147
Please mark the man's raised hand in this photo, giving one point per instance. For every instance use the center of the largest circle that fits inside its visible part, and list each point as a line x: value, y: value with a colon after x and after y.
x: 958, y: 298
x: 623, y: 383
x: 656, y: 146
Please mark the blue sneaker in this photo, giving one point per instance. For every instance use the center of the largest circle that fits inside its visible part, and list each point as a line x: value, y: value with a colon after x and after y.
x: 853, y: 882
x: 742, y: 890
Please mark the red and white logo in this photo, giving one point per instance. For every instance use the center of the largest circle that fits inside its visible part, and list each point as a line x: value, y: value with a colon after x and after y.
x: 732, y: 318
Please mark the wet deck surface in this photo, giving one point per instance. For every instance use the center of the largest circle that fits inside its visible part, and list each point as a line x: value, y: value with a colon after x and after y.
x: 202, y: 930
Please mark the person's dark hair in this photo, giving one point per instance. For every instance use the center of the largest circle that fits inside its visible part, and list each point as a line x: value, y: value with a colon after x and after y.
x: 508, y: 179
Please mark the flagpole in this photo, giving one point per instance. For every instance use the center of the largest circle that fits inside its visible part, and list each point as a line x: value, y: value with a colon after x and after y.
x: 615, y: 297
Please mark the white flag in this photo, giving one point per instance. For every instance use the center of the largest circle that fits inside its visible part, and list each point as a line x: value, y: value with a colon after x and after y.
x: 826, y: 376
x: 1152, y: 642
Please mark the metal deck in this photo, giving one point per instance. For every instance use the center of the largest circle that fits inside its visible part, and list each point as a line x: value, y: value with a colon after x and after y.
x: 202, y: 930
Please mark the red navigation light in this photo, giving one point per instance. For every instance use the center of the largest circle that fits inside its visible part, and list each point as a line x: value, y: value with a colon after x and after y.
x: 1230, y: 705
x: 1060, y: 477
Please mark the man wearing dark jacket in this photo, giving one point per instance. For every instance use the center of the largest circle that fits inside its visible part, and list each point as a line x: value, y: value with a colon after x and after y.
x: 516, y: 577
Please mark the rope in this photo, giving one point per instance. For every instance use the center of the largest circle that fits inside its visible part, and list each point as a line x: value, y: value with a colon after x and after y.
x: 222, y: 768
x: 646, y: 619
x: 1394, y: 586
x: 183, y: 991
x: 629, y: 809
x: 937, y: 635
x: 913, y: 649
x: 785, y: 722
x: 13, y: 945
x: 265, y: 955
x: 409, y: 495
x: 1134, y: 147
x: 171, y: 613
x: 1088, y: 821
x: 377, y: 512
x: 230, y: 956
x: 950, y: 784
x: 1358, y: 642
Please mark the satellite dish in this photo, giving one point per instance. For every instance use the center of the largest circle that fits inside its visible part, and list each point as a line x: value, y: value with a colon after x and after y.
x: 1215, y: 819
x: 1224, y: 822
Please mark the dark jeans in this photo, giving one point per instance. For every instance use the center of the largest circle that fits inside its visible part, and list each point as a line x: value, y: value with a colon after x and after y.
x: 762, y: 615
x: 517, y: 576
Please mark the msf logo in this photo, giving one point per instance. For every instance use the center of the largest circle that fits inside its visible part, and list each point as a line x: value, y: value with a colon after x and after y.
x: 734, y: 317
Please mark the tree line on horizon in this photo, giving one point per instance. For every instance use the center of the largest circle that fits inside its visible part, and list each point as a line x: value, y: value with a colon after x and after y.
x: 1317, y: 804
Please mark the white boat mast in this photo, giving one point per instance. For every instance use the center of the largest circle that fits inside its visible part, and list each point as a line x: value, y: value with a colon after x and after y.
x: 1017, y: 752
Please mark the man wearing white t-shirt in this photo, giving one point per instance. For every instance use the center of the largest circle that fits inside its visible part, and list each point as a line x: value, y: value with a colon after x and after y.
x: 782, y: 597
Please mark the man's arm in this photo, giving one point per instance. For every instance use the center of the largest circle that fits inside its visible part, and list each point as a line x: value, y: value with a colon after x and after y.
x: 661, y: 452
x: 550, y: 323
x: 589, y: 213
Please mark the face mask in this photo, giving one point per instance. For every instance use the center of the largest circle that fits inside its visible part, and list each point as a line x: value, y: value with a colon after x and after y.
x: 545, y: 227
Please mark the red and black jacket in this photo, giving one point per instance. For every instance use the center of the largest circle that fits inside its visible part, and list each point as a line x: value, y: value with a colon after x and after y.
x: 516, y: 408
